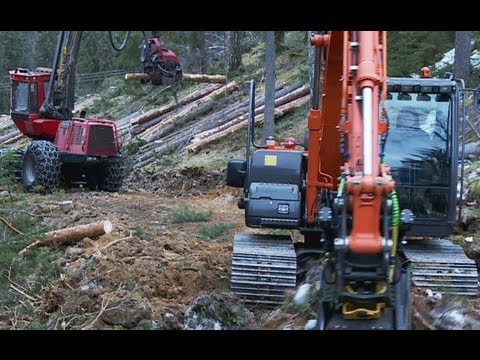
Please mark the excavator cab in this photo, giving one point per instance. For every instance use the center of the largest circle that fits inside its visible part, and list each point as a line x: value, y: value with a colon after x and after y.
x: 423, y: 154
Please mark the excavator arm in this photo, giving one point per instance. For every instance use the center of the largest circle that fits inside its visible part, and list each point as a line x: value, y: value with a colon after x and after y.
x: 338, y: 193
x: 345, y: 136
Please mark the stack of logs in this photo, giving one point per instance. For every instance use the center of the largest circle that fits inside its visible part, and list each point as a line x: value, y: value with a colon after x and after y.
x: 204, y: 116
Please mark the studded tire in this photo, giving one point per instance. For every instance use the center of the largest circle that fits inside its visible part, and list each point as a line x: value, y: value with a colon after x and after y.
x: 112, y: 177
x: 41, y: 167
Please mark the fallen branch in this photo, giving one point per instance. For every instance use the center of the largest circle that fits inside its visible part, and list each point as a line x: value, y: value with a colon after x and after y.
x: 29, y: 297
x: 424, y: 322
x: 10, y: 226
x: 71, y: 235
x: 116, y: 241
x: 103, y: 308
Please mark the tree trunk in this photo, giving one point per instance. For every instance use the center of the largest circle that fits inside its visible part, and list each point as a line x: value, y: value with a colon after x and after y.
x: 202, y: 47
x: 279, y: 40
x: 269, y: 124
x: 234, y: 50
x: 71, y: 235
x: 463, y: 51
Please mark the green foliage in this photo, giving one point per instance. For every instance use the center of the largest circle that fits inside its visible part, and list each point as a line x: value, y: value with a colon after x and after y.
x: 474, y: 189
x: 140, y: 232
x: 409, y: 51
x: 210, y: 232
x: 34, y: 270
x: 189, y: 215
x: 144, y: 324
x: 128, y: 151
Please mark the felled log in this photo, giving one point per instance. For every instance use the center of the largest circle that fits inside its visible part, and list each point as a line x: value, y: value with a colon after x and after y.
x: 200, y: 104
x: 221, y: 79
x: 296, y: 94
x: 201, y: 78
x: 172, y: 105
x: 280, y: 111
x: 71, y: 235
x: 179, y: 139
x: 16, y: 134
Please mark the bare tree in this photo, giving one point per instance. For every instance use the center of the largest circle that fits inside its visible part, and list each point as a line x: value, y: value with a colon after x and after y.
x: 463, y: 51
x: 234, y: 49
x: 279, y: 40
x: 268, y: 123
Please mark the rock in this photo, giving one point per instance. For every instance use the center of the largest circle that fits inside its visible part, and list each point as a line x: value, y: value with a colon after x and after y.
x: 91, y: 289
x: 223, y: 311
x: 310, y: 324
x: 171, y: 322
x: 451, y: 316
x: 76, y: 216
x: 72, y: 251
x: 65, y: 206
x: 87, y: 242
x: 4, y: 193
x: 302, y: 294
x: 433, y: 296
x: 126, y: 313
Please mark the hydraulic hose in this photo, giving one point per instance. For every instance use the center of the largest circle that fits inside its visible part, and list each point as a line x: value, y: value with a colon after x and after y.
x: 112, y: 41
x: 395, y: 227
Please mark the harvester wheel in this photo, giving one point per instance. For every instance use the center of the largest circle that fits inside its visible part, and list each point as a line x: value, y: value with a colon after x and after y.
x: 112, y: 177
x: 41, y: 167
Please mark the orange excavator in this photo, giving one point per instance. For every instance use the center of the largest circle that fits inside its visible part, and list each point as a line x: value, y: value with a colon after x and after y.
x: 373, y: 196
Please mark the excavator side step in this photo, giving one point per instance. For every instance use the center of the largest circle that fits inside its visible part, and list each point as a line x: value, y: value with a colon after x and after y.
x: 441, y: 266
x: 263, y: 268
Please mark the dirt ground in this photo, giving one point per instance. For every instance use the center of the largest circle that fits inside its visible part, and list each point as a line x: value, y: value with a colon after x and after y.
x: 158, y: 265
x: 149, y: 270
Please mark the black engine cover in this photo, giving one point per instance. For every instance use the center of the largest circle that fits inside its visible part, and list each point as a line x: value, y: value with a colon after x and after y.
x: 273, y: 205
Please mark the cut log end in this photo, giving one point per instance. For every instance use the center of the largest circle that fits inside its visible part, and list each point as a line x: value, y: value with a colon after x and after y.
x: 107, y: 226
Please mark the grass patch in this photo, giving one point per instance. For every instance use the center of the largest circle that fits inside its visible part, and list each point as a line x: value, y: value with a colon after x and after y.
x: 36, y: 269
x: 189, y: 215
x: 140, y: 232
x: 210, y: 232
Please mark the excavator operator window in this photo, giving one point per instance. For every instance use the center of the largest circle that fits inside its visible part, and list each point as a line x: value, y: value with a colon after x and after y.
x: 20, y: 97
x: 417, y: 150
x: 33, y: 98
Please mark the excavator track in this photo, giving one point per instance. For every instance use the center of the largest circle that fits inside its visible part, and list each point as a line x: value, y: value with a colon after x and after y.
x: 441, y: 266
x: 263, y: 268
